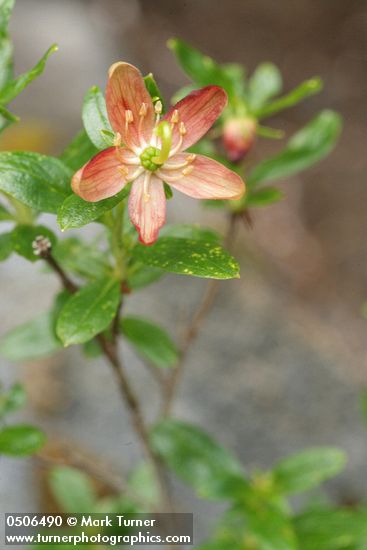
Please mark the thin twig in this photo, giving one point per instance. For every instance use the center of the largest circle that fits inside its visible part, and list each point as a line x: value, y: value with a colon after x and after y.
x: 192, y: 331
x: 109, y: 348
x: 65, y: 281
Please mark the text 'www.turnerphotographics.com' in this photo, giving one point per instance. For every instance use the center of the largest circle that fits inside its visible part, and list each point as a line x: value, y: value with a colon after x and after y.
x: 90, y: 529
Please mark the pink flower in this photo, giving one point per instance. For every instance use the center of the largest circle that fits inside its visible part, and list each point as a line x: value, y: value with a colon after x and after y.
x: 149, y: 151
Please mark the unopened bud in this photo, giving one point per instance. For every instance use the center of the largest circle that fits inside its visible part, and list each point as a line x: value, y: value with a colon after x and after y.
x: 238, y: 137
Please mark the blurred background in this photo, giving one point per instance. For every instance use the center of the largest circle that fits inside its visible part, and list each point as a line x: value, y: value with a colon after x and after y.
x: 281, y: 361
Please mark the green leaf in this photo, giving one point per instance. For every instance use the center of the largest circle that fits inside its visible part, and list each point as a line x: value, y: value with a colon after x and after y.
x: 306, y: 89
x: 265, y: 83
x: 31, y: 340
x: 95, y: 117
x: 76, y: 212
x: 269, y: 133
x: 264, y: 197
x: 199, y: 258
x: 153, y: 90
x: 5, y: 215
x: 187, y: 231
x: 308, y: 469
x: 304, y: 149
x: 6, y: 246
x: 6, y: 47
x: 12, y: 400
x: 10, y: 117
x: 88, y: 312
x: 6, y: 8
x: 82, y: 259
x: 72, y: 489
x: 202, y: 69
x: 197, y: 459
x: 143, y: 275
x: 21, y: 440
x: 13, y: 88
x: 38, y: 181
x: 79, y: 151
x: 328, y: 529
x: 143, y: 485
x: 92, y: 349
x: 167, y: 191
x: 23, y: 237
x: 150, y: 341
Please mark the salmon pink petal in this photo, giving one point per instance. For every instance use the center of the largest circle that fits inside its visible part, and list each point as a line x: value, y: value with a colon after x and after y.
x: 126, y: 91
x: 147, y: 214
x: 205, y: 178
x: 103, y: 176
x: 198, y: 111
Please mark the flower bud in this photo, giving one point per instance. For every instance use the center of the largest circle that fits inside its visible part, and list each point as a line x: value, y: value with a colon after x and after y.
x: 238, y: 137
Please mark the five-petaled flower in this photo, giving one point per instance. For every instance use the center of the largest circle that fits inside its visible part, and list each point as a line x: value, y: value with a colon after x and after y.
x: 148, y: 151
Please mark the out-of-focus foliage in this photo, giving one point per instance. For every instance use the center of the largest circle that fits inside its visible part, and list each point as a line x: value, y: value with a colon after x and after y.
x: 17, y: 440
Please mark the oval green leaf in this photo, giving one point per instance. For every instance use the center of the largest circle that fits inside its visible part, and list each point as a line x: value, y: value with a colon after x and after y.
x: 21, y: 440
x: 76, y: 212
x: 184, y: 256
x: 95, y: 117
x: 150, y: 341
x: 31, y: 340
x: 88, y: 312
x: 72, y: 489
x: 308, y: 469
x: 196, y: 458
x: 38, y: 181
x: 304, y: 149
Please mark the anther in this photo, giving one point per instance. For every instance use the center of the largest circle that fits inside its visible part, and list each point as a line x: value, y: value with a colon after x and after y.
x: 191, y: 158
x: 158, y: 107
x: 117, y: 140
x: 146, y: 197
x: 143, y: 110
x: 182, y: 129
x: 187, y: 171
x: 129, y: 116
x: 175, y: 117
x: 123, y: 170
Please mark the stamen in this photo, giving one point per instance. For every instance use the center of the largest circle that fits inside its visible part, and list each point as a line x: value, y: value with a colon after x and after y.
x: 177, y: 146
x: 171, y: 179
x: 137, y: 173
x: 123, y: 170
x: 182, y: 129
x: 158, y: 107
x: 175, y: 117
x: 187, y: 171
x: 129, y: 117
x: 117, y: 140
x: 143, y: 110
x: 189, y: 159
x: 167, y: 178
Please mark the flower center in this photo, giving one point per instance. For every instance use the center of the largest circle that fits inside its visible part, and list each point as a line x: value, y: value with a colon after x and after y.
x: 148, y: 158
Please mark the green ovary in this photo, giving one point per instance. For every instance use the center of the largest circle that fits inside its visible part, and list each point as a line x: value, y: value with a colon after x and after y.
x: 146, y: 158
